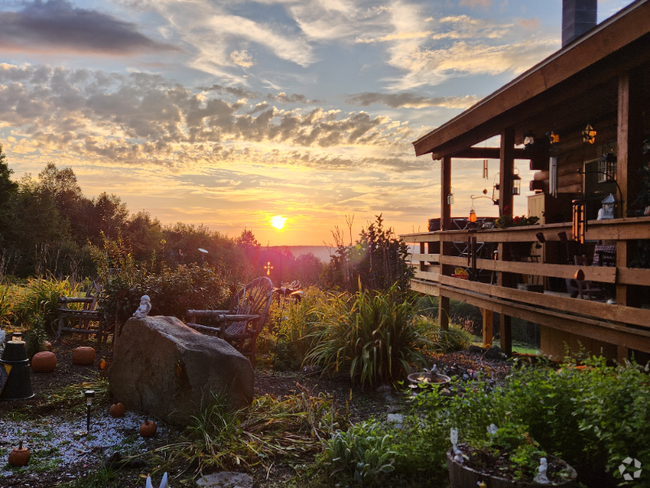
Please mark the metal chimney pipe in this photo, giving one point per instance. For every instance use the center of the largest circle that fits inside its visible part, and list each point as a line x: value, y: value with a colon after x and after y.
x: 578, y: 16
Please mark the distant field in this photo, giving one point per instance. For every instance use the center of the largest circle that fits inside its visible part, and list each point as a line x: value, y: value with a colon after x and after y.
x: 321, y: 252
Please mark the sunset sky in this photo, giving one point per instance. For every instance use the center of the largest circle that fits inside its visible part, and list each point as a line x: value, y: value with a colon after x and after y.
x: 230, y: 112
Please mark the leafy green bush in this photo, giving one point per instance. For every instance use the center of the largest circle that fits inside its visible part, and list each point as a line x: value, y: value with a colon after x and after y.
x: 440, y: 340
x: 172, y: 292
x: 362, y: 453
x: 40, y: 299
x: 292, y: 323
x: 368, y: 334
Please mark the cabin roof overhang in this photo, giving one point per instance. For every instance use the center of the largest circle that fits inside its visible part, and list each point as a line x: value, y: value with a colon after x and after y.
x: 577, y: 82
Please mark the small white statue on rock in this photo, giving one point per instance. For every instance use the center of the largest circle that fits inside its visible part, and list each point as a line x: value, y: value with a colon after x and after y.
x: 541, y: 477
x: 144, y: 308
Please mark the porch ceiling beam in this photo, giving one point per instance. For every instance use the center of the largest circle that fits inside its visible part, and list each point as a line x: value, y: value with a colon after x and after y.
x: 488, y: 153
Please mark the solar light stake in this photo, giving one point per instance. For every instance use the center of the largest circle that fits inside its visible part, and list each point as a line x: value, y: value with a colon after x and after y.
x: 89, y: 394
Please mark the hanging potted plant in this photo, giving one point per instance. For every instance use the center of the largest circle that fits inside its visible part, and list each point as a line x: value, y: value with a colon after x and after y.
x: 508, y: 458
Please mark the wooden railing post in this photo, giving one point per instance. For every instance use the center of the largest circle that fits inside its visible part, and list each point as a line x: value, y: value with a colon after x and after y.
x: 487, y: 327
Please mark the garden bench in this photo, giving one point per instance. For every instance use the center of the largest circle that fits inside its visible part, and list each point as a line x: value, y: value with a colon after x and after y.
x: 84, y: 317
x: 243, y: 322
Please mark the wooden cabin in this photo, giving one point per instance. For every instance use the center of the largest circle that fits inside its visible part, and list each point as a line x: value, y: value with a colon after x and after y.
x: 581, y: 119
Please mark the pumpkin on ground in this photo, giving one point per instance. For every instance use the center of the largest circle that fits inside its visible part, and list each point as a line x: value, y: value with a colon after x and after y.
x: 83, y: 356
x: 148, y: 428
x: 43, y: 362
x: 117, y: 410
x: 19, y: 456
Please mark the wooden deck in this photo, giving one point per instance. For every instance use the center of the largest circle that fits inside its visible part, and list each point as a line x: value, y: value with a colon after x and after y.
x: 494, y: 286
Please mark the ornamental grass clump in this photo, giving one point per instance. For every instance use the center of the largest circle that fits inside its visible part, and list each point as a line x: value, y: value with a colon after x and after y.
x: 370, y: 334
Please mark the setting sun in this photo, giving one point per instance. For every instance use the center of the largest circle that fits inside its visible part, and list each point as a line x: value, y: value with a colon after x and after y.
x: 278, y: 221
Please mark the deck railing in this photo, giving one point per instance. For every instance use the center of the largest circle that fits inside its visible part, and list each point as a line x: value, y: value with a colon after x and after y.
x: 494, y: 277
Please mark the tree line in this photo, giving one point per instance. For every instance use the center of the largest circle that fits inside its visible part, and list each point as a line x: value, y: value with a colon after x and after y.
x: 48, y: 227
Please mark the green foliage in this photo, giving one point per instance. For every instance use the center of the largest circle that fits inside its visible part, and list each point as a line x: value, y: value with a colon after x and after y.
x: 593, y: 417
x: 370, y: 335
x: 35, y: 337
x: 378, y: 261
x: 39, y: 303
x: 439, y: 340
x: 293, y: 322
x: 362, y: 453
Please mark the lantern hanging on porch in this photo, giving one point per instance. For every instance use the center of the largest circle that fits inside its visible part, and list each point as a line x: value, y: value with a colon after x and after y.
x: 516, y: 183
x: 589, y: 134
x: 607, y: 210
x: 472, y: 216
x: 553, y: 137
x: 579, y: 221
x: 607, y: 167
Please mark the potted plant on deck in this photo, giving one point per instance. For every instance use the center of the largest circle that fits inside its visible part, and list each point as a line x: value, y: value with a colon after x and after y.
x: 507, y: 458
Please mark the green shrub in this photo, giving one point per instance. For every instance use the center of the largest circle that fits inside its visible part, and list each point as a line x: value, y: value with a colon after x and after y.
x: 368, y: 334
x: 362, y: 453
x: 442, y: 341
x: 40, y: 299
x: 292, y: 323
x: 35, y: 337
x: 172, y: 292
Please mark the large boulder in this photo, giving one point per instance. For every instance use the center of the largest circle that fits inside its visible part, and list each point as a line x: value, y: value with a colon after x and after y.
x: 166, y: 369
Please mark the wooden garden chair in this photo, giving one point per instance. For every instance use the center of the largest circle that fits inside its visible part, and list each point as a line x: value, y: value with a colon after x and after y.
x: 243, y: 322
x: 84, y: 320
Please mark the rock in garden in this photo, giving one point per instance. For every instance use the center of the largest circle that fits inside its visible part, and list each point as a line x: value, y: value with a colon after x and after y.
x: 494, y: 352
x: 226, y: 479
x: 83, y: 356
x: 165, y: 369
x: 475, y: 350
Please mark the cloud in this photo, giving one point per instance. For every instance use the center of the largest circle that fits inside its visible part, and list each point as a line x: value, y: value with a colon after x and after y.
x: 532, y: 24
x: 410, y: 100
x: 242, y: 58
x: 460, y: 46
x: 141, y: 118
x: 56, y: 26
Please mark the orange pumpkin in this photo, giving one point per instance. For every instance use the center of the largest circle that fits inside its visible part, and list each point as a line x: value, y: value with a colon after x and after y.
x: 83, y: 356
x: 47, y: 346
x: 103, y: 364
x: 148, y: 428
x: 117, y: 410
x: 43, y: 362
x: 19, y: 456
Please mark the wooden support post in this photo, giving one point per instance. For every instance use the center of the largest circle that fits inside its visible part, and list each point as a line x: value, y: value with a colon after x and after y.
x: 506, y: 169
x: 629, y: 159
x: 445, y: 190
x: 487, y: 327
x: 443, y: 312
x: 506, y: 334
x: 445, y: 209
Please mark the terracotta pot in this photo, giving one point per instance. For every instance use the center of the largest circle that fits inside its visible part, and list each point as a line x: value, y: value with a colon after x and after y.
x: 83, y: 356
x: 462, y: 476
x: 148, y: 428
x: 43, y: 362
x: 117, y: 410
x: 19, y: 456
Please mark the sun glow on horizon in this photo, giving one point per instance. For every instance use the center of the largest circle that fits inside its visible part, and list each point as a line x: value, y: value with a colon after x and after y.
x: 278, y: 221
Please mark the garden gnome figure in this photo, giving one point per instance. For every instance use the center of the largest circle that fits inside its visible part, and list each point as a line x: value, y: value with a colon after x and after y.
x: 144, y: 308
x: 541, y: 477
x: 458, y: 456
